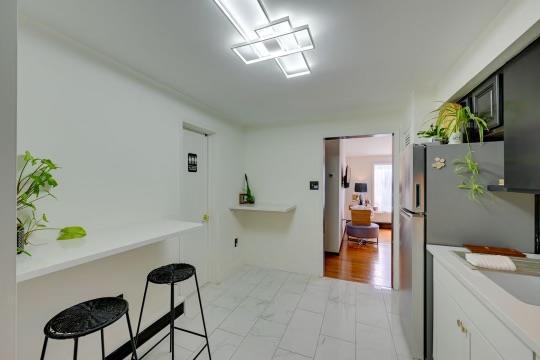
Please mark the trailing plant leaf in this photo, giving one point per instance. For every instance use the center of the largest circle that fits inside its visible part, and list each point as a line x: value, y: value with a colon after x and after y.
x: 71, y: 232
x: 467, y: 165
x: 476, y: 190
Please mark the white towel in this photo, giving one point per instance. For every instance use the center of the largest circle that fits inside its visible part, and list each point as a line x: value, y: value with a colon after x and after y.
x: 493, y: 262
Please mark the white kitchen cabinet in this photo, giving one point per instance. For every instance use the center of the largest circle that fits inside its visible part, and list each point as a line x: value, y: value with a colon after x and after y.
x: 465, y: 330
x: 455, y: 336
x: 480, y: 348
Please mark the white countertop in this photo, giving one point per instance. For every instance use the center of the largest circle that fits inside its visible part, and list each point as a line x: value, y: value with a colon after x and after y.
x: 521, y: 318
x: 56, y: 255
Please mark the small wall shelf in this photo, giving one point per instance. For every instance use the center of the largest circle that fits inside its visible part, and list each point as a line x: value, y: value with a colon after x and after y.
x: 273, y: 208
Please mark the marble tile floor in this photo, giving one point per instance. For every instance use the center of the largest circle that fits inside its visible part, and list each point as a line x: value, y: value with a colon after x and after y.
x: 266, y: 314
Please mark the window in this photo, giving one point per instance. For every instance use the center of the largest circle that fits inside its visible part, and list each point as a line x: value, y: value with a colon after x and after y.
x: 382, y: 187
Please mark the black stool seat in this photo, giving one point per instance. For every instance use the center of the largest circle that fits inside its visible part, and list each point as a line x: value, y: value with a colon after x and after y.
x: 85, y: 318
x: 171, y: 274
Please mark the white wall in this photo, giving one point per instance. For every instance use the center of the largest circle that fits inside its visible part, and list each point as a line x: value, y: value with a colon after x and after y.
x: 8, y: 118
x: 362, y: 171
x: 118, y: 141
x: 280, y: 163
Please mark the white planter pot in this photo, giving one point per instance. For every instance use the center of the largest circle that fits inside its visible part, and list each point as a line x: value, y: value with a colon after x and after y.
x: 455, y: 138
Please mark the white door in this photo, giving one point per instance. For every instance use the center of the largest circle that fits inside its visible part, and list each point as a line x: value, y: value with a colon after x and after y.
x: 194, y: 244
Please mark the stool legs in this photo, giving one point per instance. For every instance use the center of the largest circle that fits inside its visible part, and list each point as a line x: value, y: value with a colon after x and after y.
x: 141, y: 312
x: 44, y: 348
x: 133, y: 345
x: 202, y: 317
x: 171, y: 336
x: 102, y: 345
x: 75, y: 348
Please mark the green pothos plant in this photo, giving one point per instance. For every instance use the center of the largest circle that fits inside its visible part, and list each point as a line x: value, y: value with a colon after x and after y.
x: 35, y: 182
x: 452, y: 117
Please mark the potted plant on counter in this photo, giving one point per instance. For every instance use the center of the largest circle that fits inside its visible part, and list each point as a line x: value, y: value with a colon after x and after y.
x: 35, y: 182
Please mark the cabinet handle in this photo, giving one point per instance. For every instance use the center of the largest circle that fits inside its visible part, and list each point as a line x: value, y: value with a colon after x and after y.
x: 461, y: 326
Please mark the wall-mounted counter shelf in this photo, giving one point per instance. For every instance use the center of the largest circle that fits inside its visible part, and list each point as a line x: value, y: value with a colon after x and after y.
x: 55, y: 255
x: 273, y: 208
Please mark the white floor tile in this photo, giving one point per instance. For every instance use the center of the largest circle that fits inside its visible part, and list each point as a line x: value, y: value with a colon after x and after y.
x: 256, y: 347
x: 287, y: 355
x: 314, y: 299
x: 268, y: 329
x: 344, y: 292
x: 224, y: 344
x: 244, y: 316
x: 161, y: 352
x: 282, y: 307
x: 302, y: 333
x: 334, y: 349
x: 374, y: 343
x: 339, y: 321
x: 296, y: 284
x: 371, y: 311
x: 395, y: 324
x: 402, y: 348
x: 228, y: 300
x: 265, y: 314
x: 268, y: 288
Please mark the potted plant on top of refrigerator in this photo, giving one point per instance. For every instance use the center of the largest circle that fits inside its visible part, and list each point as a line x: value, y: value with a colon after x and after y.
x: 454, y: 120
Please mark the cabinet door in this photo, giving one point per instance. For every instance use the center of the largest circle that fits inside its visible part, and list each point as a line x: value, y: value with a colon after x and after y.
x: 450, y: 340
x: 480, y: 348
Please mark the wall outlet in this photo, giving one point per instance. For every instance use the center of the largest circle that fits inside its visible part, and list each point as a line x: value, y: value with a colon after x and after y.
x: 235, y: 242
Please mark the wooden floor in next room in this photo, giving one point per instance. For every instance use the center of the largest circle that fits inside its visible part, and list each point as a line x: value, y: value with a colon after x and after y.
x: 369, y: 263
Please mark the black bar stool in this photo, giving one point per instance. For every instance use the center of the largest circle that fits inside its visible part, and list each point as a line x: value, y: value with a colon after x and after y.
x: 170, y: 275
x: 86, y: 318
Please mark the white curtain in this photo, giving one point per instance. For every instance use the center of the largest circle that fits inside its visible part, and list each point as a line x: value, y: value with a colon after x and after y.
x: 382, y: 187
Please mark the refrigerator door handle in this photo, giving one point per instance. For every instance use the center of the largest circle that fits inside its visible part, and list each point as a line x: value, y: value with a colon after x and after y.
x: 406, y: 213
x: 417, y: 195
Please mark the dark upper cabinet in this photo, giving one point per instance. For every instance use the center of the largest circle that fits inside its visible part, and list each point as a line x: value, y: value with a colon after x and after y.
x: 522, y: 121
x: 486, y: 101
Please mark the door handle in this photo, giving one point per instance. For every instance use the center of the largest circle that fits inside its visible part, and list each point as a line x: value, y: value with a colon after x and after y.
x: 407, y: 214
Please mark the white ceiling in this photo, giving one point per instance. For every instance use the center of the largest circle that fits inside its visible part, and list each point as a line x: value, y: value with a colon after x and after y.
x: 369, y: 54
x: 379, y: 145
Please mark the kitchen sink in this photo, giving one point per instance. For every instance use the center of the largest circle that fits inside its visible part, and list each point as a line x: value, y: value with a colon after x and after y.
x: 523, y: 284
x: 523, y: 287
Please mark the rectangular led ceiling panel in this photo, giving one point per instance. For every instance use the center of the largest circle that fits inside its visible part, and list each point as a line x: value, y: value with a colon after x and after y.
x: 275, y: 45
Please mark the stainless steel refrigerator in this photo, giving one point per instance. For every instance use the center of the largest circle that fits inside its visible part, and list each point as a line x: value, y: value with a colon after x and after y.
x: 434, y: 211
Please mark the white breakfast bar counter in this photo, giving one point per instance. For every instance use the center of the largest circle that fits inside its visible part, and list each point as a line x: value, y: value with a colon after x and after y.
x: 54, y: 256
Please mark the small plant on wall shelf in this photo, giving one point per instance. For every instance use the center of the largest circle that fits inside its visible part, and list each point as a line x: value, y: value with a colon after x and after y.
x: 35, y: 182
x: 452, y: 122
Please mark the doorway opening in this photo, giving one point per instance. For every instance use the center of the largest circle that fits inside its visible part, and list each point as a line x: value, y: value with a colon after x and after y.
x: 358, y: 209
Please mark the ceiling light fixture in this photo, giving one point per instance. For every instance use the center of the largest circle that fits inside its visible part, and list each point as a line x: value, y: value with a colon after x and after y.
x: 267, y: 40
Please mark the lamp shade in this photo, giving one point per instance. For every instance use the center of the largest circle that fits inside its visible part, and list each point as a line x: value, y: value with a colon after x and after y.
x: 360, y: 187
